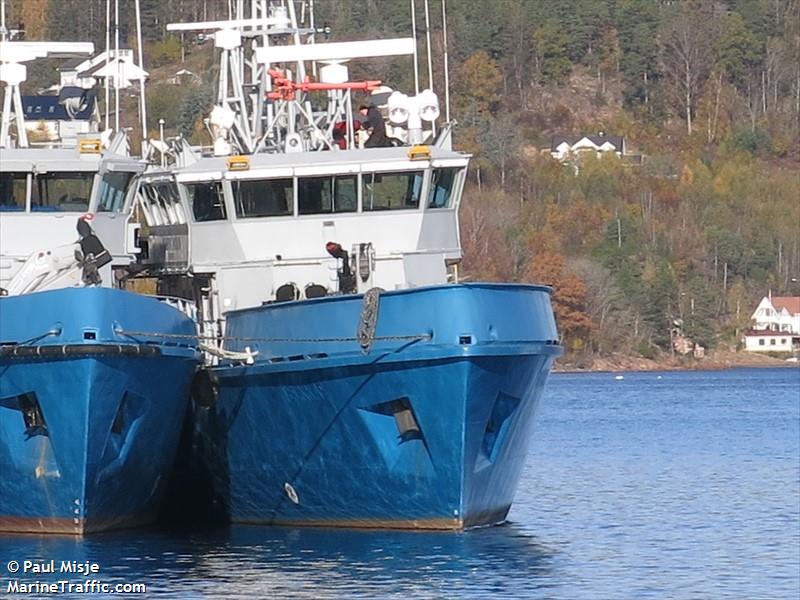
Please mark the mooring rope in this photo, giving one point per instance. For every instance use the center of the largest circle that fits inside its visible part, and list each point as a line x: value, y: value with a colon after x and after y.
x: 53, y: 331
x: 232, y: 338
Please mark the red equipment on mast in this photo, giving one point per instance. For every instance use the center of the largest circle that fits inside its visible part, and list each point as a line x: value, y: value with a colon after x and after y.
x: 285, y: 89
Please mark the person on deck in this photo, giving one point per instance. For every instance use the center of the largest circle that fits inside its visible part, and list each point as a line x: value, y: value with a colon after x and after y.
x: 93, y: 254
x: 375, y: 125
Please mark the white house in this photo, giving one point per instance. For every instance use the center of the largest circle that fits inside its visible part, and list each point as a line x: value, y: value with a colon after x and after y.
x: 776, y: 325
x: 182, y: 77
x: 564, y: 147
x: 128, y: 73
x: 84, y: 72
x: 778, y: 313
x: 769, y: 341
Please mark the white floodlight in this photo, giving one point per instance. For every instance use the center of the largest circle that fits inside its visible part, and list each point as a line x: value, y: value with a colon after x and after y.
x: 294, y: 143
x: 399, y: 105
x: 222, y: 117
x: 221, y: 121
x: 428, y: 105
x: 413, y: 111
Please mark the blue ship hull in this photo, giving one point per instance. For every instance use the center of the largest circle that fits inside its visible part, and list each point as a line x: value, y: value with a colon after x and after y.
x: 430, y: 429
x: 89, y: 416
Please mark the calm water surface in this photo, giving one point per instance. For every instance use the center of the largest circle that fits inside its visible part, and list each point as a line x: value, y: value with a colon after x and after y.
x: 662, y: 485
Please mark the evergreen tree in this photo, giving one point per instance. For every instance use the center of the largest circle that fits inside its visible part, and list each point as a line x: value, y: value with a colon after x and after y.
x: 637, y: 23
x: 736, y: 51
x: 699, y: 312
x: 550, y: 54
x: 659, y: 305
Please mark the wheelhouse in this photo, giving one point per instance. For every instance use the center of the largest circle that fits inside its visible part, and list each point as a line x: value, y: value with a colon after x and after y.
x: 300, y: 191
x: 34, y: 183
x: 43, y: 193
x: 266, y: 223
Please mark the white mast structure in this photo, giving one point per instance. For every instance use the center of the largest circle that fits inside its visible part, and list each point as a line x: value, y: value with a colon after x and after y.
x: 13, y: 72
x: 117, y: 73
x: 142, y: 98
x: 236, y: 112
x: 263, y: 101
x: 106, y: 82
x: 268, y: 111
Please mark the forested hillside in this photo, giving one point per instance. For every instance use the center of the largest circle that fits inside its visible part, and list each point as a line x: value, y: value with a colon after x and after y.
x: 682, y: 243
x: 708, y: 92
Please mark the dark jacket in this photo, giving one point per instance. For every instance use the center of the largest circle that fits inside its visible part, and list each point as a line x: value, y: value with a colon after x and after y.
x: 376, y: 123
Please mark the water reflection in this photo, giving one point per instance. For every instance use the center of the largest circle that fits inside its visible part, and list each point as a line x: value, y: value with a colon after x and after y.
x: 680, y: 487
x: 370, y: 562
x: 314, y: 563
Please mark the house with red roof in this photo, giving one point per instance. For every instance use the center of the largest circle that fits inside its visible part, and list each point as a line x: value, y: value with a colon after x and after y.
x: 776, y: 325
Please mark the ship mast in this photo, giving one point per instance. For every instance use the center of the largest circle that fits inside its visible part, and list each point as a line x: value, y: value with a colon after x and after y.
x: 3, y: 31
x: 13, y: 72
x: 263, y: 100
x: 237, y: 112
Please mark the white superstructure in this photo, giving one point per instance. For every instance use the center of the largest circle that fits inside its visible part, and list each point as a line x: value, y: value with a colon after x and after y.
x: 45, y: 190
x: 258, y: 229
x: 289, y: 202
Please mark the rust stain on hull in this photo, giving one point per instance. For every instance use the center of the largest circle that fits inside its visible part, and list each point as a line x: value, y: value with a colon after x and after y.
x: 427, y: 524
x: 482, y: 519
x: 73, y: 526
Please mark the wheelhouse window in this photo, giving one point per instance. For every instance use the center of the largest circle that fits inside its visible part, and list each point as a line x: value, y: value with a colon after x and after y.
x: 207, y: 200
x: 263, y: 197
x: 113, y: 188
x: 161, y: 203
x: 443, y: 183
x: 13, y: 190
x: 330, y: 194
x: 64, y: 192
x: 391, y: 191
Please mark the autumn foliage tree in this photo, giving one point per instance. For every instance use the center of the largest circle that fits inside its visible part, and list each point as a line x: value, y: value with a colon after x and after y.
x: 477, y: 87
x: 569, y: 298
x: 478, y: 84
x: 705, y: 93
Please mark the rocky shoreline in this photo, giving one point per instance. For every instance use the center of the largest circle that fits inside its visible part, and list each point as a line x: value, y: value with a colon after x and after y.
x: 715, y: 360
